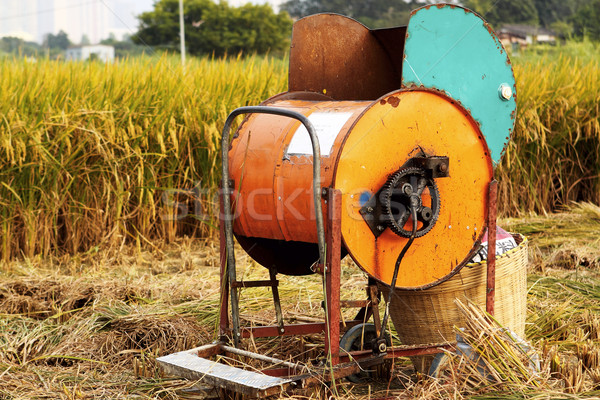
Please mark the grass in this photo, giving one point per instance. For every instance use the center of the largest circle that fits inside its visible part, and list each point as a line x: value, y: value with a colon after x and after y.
x: 92, y: 325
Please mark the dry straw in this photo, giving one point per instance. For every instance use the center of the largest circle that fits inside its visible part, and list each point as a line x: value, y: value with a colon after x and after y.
x: 500, y: 359
x: 429, y: 316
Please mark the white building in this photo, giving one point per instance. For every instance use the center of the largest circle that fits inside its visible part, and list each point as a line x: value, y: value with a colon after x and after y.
x: 32, y: 20
x: 78, y: 18
x: 94, y: 52
x: 19, y: 19
x: 517, y: 36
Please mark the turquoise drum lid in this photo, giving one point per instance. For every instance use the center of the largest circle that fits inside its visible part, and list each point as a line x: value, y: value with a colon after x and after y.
x: 452, y: 49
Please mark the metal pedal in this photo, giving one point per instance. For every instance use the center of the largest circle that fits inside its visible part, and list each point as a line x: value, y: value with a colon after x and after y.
x: 188, y: 365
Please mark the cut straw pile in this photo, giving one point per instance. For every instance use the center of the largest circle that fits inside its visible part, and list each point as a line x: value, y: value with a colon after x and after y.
x: 499, y: 364
x: 500, y: 361
x: 567, y: 240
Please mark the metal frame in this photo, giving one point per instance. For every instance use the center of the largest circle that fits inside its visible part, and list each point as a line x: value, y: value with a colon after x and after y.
x: 193, y: 364
x: 490, y: 298
x: 226, y: 216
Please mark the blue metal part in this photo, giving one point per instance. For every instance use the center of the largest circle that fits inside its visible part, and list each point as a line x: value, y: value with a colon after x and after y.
x: 450, y: 48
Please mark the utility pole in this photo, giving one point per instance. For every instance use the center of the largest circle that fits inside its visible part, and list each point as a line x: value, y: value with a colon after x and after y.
x: 182, y: 34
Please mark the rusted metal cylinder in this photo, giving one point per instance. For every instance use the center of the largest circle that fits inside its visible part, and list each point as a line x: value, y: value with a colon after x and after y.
x: 363, y: 143
x: 271, y: 157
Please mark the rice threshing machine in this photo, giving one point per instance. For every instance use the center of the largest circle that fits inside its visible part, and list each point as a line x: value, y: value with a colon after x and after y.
x: 383, y: 149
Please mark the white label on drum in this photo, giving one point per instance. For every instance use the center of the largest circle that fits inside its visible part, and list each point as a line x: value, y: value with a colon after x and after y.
x: 327, y: 124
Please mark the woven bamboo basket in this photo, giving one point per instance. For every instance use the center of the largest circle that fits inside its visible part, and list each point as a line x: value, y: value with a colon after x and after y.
x: 429, y: 316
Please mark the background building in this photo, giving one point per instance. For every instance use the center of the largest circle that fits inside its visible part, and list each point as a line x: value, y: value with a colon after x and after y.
x: 32, y: 20
x: 93, y: 52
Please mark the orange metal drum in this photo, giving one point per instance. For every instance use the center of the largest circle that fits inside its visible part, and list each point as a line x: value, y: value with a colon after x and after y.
x: 390, y: 132
x: 362, y: 144
x: 273, y: 180
x: 273, y: 199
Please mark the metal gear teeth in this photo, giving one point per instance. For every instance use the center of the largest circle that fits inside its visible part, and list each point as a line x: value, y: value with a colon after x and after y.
x: 390, y: 186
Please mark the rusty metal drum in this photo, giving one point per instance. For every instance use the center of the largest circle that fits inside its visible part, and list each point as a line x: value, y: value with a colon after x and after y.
x: 407, y: 146
x: 363, y: 144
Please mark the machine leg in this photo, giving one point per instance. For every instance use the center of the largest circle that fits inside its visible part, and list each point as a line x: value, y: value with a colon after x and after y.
x: 275, y: 289
x: 228, y: 274
x: 333, y: 274
x: 368, y: 310
x: 233, y: 293
x: 491, y: 255
x: 224, y: 300
x: 374, y: 297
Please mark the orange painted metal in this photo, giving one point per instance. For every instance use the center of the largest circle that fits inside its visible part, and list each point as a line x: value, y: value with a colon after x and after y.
x: 273, y: 189
x: 394, y: 129
x: 273, y: 197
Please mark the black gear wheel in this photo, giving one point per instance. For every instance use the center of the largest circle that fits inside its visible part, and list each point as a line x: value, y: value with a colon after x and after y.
x: 403, y: 187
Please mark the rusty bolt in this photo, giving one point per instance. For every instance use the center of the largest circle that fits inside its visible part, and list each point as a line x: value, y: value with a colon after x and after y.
x: 370, y: 209
x: 443, y: 168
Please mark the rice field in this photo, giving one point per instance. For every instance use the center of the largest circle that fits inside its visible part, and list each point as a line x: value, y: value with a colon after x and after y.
x: 94, y: 156
x: 553, y: 158
x: 98, y: 277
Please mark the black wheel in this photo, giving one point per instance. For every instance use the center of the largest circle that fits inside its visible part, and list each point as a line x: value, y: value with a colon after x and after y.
x: 357, y: 338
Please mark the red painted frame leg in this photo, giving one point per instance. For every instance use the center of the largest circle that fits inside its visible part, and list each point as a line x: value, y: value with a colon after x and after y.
x: 491, y: 254
x: 333, y: 274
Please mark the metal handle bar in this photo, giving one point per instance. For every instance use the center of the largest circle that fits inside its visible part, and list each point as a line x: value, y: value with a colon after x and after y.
x: 227, y: 193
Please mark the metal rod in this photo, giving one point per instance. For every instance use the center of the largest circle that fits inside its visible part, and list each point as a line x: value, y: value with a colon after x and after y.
x: 259, y: 357
x: 373, y: 293
x: 226, y: 193
x: 490, y: 298
x: 224, y: 282
x: 354, y: 303
x: 304, y: 328
x: 253, y: 284
x: 182, y: 34
x: 400, y: 351
x: 386, y: 314
x: 207, y: 347
x: 277, y: 303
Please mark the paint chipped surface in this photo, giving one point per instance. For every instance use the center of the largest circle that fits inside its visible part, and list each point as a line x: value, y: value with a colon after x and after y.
x: 394, y: 101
